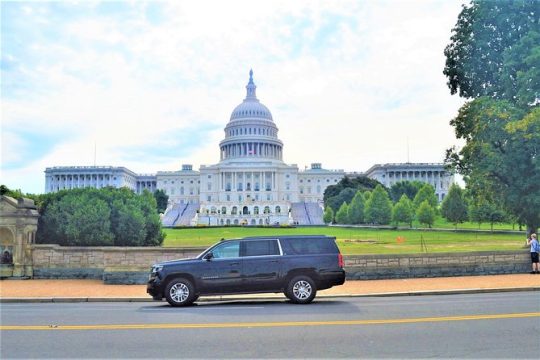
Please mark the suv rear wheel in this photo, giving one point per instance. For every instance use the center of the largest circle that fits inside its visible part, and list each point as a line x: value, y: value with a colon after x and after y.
x: 301, y: 290
x: 180, y: 292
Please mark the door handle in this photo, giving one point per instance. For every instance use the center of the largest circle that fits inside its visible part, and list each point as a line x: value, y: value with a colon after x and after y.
x: 234, y: 264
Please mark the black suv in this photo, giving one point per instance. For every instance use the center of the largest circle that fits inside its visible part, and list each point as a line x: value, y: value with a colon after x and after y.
x: 295, y: 265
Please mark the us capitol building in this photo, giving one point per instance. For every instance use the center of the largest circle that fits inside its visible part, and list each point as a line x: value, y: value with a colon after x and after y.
x: 251, y: 185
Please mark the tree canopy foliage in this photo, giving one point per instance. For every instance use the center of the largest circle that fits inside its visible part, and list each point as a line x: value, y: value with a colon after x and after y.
x: 489, y: 50
x: 162, y: 200
x: 99, y: 217
x: 426, y: 193
x: 378, y: 208
x: 403, y: 211
x: 345, y: 189
x: 342, y: 215
x: 454, y: 206
x: 356, y: 208
x: 409, y: 188
x: 425, y: 214
x: 493, y: 58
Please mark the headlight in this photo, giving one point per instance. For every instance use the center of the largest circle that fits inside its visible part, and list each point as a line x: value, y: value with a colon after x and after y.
x: 157, y: 268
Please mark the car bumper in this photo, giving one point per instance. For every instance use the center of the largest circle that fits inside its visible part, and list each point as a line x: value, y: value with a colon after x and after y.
x: 331, y: 278
x: 154, y: 288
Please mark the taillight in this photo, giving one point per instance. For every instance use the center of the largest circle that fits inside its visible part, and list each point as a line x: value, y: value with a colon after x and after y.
x: 340, y: 261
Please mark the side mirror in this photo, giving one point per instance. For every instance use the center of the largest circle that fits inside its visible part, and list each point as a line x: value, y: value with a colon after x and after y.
x: 209, y: 256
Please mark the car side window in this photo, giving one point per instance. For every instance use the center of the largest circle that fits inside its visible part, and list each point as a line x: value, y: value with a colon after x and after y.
x: 260, y: 248
x: 227, y: 250
x: 308, y: 246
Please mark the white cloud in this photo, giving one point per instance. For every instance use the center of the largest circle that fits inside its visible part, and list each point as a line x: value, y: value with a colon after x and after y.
x: 348, y: 83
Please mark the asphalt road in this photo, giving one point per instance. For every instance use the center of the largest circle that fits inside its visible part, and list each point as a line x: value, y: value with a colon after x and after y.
x: 501, y: 325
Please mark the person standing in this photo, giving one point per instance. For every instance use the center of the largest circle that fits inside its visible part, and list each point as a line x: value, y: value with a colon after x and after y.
x: 535, y: 249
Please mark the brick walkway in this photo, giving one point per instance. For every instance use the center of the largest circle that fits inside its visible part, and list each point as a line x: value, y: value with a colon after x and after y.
x: 96, y: 288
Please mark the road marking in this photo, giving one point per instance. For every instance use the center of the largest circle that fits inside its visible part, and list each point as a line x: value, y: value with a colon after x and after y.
x: 267, y: 324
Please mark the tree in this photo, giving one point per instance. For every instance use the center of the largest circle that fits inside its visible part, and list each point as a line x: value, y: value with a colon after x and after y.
x: 426, y: 193
x: 483, y: 40
x: 78, y: 220
x: 162, y: 200
x: 492, y: 59
x: 328, y: 216
x: 454, y: 206
x: 425, y: 214
x: 4, y: 190
x: 129, y: 224
x: 345, y: 189
x: 403, y: 211
x: 356, y: 208
x: 486, y: 211
x: 379, y: 207
x: 345, y: 195
x: 500, y: 158
x: 106, y: 216
x: 342, y: 214
x: 409, y: 188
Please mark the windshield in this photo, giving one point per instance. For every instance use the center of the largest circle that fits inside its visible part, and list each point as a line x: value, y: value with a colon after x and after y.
x: 201, y: 255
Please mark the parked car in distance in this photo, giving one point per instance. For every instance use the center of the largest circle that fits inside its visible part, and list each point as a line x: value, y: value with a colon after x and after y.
x: 298, y: 266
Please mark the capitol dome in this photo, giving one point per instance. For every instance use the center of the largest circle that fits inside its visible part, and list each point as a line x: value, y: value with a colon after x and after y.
x: 251, y: 107
x: 251, y: 133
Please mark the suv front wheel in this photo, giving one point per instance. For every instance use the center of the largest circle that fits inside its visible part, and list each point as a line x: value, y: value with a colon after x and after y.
x: 301, y: 290
x: 180, y: 292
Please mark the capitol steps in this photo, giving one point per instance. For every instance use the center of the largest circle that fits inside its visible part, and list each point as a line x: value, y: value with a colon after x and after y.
x: 188, y: 213
x: 172, y: 214
x: 315, y: 213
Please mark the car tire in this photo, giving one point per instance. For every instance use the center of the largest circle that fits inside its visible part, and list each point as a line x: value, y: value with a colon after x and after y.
x: 301, y: 290
x: 180, y: 292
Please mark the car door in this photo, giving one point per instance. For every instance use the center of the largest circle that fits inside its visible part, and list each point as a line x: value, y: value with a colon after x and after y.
x: 261, y: 264
x: 222, y: 270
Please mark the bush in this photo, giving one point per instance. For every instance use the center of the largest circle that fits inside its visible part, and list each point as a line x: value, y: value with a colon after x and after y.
x: 99, y: 217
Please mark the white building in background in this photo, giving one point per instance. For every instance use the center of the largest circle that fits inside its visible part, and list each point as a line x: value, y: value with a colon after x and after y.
x: 250, y: 185
x: 72, y: 177
x: 433, y: 174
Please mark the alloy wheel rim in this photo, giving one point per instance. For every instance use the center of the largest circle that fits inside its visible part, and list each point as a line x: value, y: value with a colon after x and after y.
x: 301, y: 290
x: 179, y: 292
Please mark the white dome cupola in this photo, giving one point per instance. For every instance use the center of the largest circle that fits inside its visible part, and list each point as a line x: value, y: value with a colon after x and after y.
x: 251, y: 107
x: 251, y: 132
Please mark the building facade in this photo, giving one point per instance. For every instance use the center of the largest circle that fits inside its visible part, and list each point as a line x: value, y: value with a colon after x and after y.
x: 250, y: 185
x: 433, y: 174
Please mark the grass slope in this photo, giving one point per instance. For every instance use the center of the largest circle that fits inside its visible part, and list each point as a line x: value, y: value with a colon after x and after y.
x: 361, y: 241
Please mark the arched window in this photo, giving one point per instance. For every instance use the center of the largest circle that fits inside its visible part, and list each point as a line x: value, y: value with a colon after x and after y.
x: 223, y: 210
x: 228, y: 222
x: 253, y: 222
x: 234, y: 210
x: 278, y: 210
x: 267, y: 210
x: 256, y: 210
x: 245, y: 210
x: 213, y: 210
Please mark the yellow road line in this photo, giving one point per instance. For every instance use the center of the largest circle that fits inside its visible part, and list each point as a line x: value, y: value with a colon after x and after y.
x: 266, y: 324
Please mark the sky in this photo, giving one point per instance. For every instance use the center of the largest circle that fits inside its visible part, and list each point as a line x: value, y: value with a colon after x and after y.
x: 151, y: 85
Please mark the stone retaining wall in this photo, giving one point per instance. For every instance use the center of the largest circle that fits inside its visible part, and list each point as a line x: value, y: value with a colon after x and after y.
x: 115, y: 265
x: 436, y: 265
x: 130, y: 265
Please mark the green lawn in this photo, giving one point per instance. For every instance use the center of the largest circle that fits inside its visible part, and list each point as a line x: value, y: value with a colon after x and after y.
x: 361, y: 241
x: 442, y: 223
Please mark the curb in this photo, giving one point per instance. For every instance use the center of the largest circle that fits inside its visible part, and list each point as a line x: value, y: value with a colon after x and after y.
x: 263, y: 298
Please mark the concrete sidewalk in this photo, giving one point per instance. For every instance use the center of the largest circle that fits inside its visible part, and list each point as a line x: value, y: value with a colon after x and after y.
x: 95, y: 290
